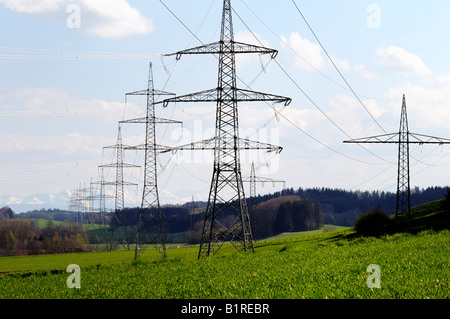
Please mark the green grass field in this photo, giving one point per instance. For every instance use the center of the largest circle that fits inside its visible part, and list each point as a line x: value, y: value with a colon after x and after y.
x: 293, y: 266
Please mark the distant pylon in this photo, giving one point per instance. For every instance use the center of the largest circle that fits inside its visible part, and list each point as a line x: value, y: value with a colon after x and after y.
x: 119, y: 218
x: 226, y: 195
x: 76, y: 205
x: 403, y: 175
x: 253, y: 179
x: 150, y: 212
x: 101, y: 197
x: 102, y: 208
x: 403, y: 138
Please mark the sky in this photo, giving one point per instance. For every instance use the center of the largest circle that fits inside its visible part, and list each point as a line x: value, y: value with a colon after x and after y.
x: 66, y: 66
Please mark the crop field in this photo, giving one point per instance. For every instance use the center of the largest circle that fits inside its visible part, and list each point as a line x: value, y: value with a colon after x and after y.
x: 297, y: 267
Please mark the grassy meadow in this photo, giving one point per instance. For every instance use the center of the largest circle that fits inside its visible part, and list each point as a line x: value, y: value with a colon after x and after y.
x: 317, y: 265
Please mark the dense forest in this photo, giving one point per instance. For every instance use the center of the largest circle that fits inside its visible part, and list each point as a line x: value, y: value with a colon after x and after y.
x: 290, y: 213
x: 342, y: 207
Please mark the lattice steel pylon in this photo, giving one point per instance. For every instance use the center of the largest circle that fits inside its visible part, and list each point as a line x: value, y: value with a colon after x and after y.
x: 119, y: 184
x: 226, y: 195
x: 403, y: 138
x: 253, y: 179
x: 403, y: 176
x: 150, y: 211
x: 101, y: 197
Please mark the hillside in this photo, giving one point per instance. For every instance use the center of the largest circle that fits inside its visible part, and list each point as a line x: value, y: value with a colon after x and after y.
x: 431, y: 215
x: 6, y: 213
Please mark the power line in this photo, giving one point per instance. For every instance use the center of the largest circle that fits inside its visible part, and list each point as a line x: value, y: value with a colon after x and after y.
x: 276, y: 111
x: 337, y: 69
x: 298, y: 55
x: 11, y: 53
x: 403, y: 138
x: 309, y: 98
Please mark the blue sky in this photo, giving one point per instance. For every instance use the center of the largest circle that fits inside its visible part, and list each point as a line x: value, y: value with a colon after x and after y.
x: 67, y: 64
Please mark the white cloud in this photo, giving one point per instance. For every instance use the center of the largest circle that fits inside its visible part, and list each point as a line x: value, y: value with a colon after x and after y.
x: 400, y: 61
x: 45, y: 101
x: 33, y: 6
x: 103, y: 18
x: 249, y: 38
x: 350, y: 115
x: 427, y: 106
x: 35, y: 148
x: 367, y: 72
x: 114, y: 18
x: 343, y: 65
x: 307, y: 55
x: 440, y: 81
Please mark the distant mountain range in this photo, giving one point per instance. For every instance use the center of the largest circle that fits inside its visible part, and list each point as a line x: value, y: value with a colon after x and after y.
x: 23, y: 204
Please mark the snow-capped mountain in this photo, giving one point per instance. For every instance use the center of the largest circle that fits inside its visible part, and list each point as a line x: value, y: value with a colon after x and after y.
x: 61, y: 200
x: 22, y: 204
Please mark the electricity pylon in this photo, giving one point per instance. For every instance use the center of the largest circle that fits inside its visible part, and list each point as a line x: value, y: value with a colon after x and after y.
x: 150, y: 212
x: 119, y: 184
x: 403, y: 138
x: 76, y: 205
x: 226, y: 195
x: 101, y: 197
x: 253, y: 179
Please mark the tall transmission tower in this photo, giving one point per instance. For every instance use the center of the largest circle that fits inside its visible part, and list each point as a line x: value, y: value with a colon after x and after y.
x: 76, y: 205
x: 226, y: 195
x: 102, y: 208
x: 150, y: 211
x: 253, y: 179
x: 403, y: 138
x: 119, y: 218
x: 100, y: 195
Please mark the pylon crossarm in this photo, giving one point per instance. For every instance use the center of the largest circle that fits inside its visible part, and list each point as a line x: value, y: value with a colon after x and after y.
x: 124, y: 165
x: 241, y: 96
x: 427, y: 139
x: 142, y: 147
x: 249, y: 96
x: 123, y: 147
x: 385, y: 138
x: 246, y: 144
x: 392, y: 138
x: 262, y: 180
x: 202, y: 96
x: 148, y: 92
x: 240, y: 47
x: 143, y: 120
x: 124, y: 183
x: 216, y: 48
x: 210, y: 144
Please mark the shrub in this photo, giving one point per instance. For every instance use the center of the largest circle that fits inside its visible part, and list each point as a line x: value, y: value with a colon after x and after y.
x: 374, y: 223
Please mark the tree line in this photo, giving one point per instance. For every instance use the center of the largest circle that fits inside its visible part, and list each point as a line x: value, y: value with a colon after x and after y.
x: 24, y: 237
x: 289, y: 210
x: 342, y: 207
x: 290, y: 213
